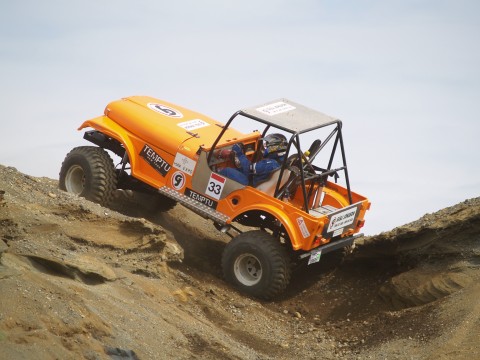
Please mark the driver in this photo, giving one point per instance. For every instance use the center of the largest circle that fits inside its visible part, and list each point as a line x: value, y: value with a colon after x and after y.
x: 275, y: 147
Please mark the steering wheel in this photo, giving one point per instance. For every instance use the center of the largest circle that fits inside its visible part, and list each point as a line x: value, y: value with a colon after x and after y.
x: 299, y: 161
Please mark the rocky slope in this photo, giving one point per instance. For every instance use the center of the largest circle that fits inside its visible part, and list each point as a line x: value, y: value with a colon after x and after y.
x: 81, y: 281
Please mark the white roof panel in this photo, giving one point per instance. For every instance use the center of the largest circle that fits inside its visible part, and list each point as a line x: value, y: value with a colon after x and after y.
x: 290, y: 116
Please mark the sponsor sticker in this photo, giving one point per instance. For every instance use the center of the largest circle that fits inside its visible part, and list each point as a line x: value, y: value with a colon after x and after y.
x: 178, y: 180
x: 315, y: 256
x: 337, y: 232
x: 155, y: 160
x: 342, y: 219
x: 165, y: 110
x: 215, y: 186
x: 303, y: 227
x: 200, y: 198
x: 184, y: 163
x: 275, y: 108
x: 193, y: 124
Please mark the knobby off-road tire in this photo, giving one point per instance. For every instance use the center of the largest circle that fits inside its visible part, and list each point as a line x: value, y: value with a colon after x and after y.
x: 256, y: 263
x: 88, y: 171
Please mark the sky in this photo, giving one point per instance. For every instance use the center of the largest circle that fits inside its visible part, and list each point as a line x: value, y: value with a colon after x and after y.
x: 402, y: 75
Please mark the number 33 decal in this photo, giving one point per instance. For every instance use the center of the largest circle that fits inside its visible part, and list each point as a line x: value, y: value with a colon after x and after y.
x: 215, y: 186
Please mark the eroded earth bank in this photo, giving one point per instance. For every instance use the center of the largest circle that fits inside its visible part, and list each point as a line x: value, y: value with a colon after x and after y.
x: 81, y: 281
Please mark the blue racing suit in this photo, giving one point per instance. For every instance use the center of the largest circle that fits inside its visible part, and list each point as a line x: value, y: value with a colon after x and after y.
x: 261, y: 170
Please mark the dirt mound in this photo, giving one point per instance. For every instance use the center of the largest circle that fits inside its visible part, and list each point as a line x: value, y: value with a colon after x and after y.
x: 438, y: 255
x: 78, y: 280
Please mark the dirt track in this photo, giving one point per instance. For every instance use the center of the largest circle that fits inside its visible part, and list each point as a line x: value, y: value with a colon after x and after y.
x: 81, y: 281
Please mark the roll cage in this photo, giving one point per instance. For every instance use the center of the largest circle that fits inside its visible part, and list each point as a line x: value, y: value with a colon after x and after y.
x: 296, y: 119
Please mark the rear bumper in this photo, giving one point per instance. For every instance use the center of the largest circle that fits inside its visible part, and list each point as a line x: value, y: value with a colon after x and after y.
x: 332, y: 246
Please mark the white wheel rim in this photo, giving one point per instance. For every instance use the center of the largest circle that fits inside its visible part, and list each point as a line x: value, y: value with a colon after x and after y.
x: 248, y: 269
x: 75, y: 180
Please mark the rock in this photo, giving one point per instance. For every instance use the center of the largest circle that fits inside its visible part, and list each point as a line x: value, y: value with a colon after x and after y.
x: 173, y: 251
x: 117, y: 353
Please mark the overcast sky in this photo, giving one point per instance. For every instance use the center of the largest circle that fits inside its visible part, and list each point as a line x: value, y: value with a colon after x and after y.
x: 403, y: 75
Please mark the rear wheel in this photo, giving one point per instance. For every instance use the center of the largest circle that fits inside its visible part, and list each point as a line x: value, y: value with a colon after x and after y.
x: 257, y: 264
x: 88, y: 171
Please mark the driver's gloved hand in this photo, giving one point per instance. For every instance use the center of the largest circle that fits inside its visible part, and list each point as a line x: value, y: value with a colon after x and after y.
x: 237, y: 149
x: 238, y: 156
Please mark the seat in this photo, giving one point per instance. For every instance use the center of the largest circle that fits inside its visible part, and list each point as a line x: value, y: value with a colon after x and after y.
x: 268, y: 186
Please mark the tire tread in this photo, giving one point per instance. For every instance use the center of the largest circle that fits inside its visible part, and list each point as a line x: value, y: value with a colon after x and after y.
x: 277, y: 254
x: 103, y: 180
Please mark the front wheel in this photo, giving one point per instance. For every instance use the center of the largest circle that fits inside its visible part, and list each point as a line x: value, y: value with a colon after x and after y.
x: 257, y: 264
x: 88, y: 171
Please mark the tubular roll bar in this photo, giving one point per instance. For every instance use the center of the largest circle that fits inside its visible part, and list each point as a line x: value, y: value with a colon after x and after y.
x: 295, y: 141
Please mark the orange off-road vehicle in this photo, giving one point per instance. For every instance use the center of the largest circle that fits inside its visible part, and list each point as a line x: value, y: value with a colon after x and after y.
x: 180, y: 156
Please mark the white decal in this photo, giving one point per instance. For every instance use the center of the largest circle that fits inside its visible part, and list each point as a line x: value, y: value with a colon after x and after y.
x: 275, y: 108
x: 303, y: 227
x: 165, y: 110
x: 193, y: 124
x: 215, y: 186
x: 315, y: 256
x: 337, y: 232
x: 184, y: 163
x: 342, y: 219
x: 178, y: 180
